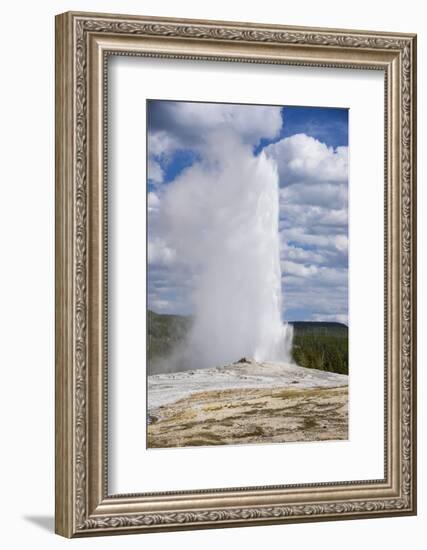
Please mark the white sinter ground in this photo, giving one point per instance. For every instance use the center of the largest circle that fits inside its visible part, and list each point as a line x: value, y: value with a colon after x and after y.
x: 164, y: 389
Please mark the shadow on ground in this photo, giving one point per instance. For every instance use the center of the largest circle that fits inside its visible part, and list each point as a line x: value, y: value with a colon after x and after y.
x: 44, y: 522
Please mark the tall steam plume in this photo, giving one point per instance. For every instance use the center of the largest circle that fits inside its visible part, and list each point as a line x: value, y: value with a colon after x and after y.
x: 221, y: 218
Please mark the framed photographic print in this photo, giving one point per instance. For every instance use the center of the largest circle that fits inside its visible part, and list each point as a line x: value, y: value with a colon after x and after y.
x: 235, y: 274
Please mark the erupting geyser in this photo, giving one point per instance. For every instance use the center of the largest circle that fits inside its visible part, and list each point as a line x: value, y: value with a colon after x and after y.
x: 228, y: 232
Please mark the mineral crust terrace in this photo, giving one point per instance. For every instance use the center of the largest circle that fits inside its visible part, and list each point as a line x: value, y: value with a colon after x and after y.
x: 246, y: 402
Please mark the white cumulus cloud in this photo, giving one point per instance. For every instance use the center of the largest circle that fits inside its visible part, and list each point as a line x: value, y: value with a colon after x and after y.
x: 313, y: 225
x: 189, y: 123
x: 301, y: 157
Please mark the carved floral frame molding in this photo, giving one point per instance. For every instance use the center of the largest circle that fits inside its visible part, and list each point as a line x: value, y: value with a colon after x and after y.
x: 83, y: 44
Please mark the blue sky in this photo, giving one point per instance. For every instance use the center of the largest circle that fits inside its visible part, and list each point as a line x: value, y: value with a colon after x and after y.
x: 328, y: 125
x: 309, y: 146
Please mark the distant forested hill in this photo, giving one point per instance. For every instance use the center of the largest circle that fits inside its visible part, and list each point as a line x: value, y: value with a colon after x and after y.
x: 320, y: 345
x: 164, y: 332
x: 302, y: 328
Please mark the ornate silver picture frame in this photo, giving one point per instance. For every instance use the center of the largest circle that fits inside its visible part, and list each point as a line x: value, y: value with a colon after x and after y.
x: 84, y: 43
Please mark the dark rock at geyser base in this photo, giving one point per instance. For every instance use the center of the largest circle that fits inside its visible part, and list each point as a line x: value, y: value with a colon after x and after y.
x: 244, y: 360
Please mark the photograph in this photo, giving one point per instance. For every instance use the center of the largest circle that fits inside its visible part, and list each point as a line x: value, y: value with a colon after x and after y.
x: 247, y: 273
